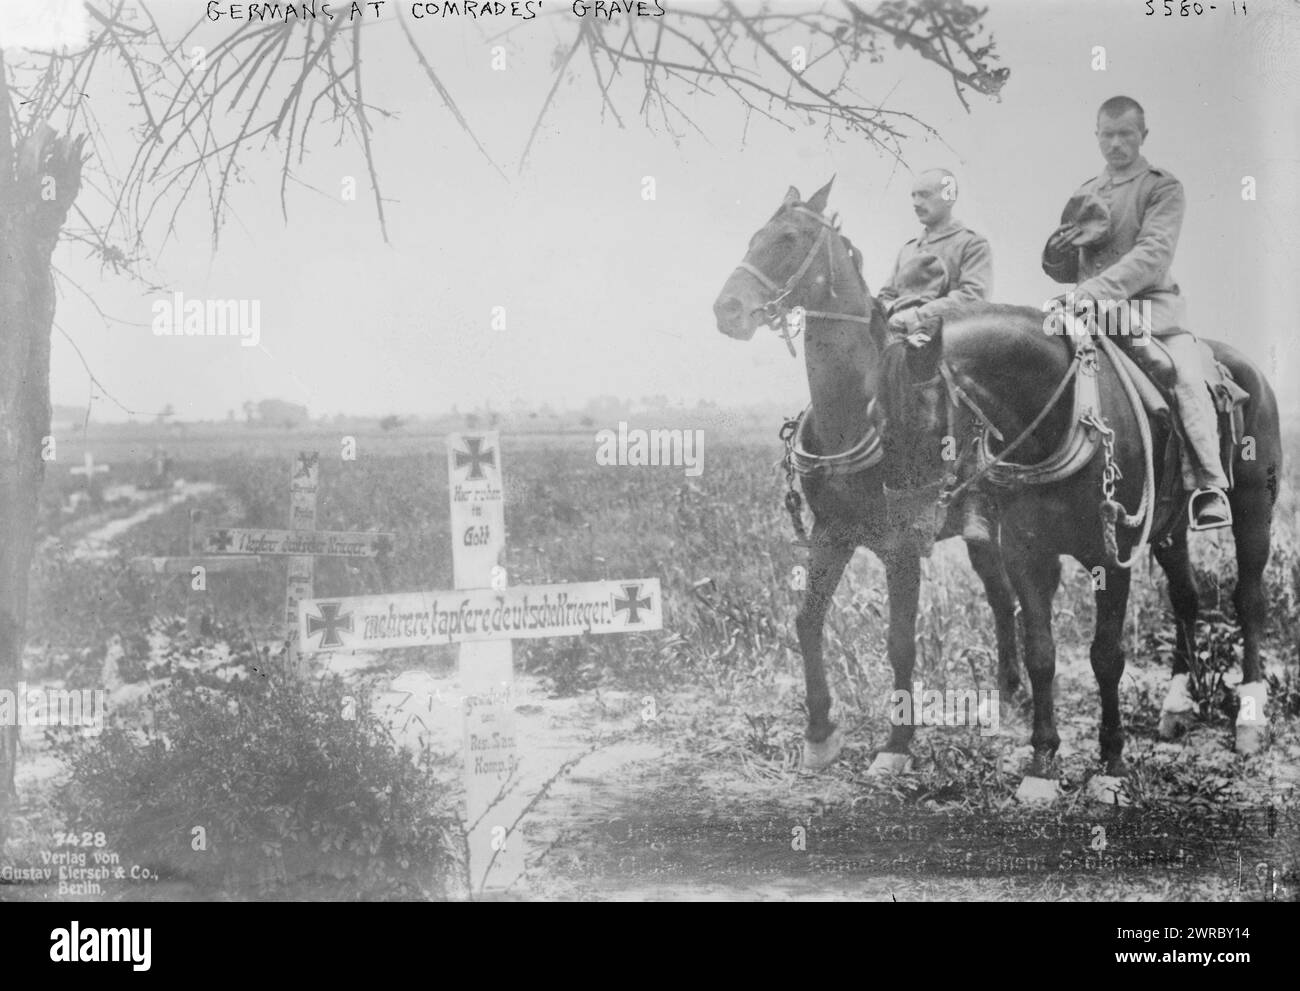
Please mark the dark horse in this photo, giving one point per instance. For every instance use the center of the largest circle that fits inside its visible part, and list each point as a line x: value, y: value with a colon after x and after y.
x: 859, y: 372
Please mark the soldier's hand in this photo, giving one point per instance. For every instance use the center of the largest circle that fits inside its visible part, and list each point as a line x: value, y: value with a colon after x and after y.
x: 905, y: 320
x: 1060, y: 239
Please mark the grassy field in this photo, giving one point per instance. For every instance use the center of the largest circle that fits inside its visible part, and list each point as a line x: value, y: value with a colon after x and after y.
x: 727, y: 677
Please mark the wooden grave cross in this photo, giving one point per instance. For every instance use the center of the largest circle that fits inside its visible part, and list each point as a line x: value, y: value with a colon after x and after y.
x: 302, y: 543
x: 483, y: 615
x: 195, y: 566
x: 90, y: 470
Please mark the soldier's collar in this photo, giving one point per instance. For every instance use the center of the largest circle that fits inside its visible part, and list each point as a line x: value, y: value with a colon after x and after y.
x: 939, y: 233
x: 1128, y: 175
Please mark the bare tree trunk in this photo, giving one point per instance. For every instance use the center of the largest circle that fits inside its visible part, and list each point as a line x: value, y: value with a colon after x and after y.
x: 39, y: 179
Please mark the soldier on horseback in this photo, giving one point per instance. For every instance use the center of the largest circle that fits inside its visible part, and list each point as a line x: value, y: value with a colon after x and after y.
x: 944, y: 267
x: 1116, y: 241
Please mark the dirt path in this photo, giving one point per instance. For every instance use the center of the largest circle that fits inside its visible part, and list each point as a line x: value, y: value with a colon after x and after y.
x: 91, y: 539
x: 708, y: 817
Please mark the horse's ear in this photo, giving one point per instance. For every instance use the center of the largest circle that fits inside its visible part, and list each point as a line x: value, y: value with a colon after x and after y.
x: 819, y: 198
x: 791, y: 198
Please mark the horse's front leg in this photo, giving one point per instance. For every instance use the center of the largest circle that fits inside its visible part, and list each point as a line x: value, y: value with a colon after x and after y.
x: 1107, y: 658
x: 822, y: 741
x: 986, y: 559
x: 1178, y: 711
x: 1035, y: 575
x: 903, y: 579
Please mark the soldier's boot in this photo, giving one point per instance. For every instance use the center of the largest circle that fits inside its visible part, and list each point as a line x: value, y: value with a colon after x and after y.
x: 1202, y: 473
x: 978, y: 517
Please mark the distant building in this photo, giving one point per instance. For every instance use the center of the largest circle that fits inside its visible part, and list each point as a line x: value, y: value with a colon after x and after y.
x: 278, y: 413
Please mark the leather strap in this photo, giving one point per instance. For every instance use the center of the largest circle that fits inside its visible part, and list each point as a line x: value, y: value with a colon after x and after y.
x: 1074, y: 451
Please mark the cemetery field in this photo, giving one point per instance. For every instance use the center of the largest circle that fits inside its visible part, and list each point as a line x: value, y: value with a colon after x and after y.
x: 662, y: 764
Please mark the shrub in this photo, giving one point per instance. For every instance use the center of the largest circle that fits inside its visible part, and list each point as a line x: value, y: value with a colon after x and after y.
x: 298, y: 787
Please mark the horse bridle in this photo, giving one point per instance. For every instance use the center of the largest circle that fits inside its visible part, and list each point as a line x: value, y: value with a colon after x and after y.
x: 868, y: 451
x: 775, y: 312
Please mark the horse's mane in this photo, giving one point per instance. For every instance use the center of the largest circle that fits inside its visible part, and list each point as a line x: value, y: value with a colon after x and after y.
x: 878, y: 327
x: 895, y: 391
x: 856, y: 255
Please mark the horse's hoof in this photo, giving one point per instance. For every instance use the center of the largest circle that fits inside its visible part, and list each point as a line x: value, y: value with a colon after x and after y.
x: 817, y: 756
x: 1178, y: 710
x: 1175, y: 724
x: 1038, y: 791
x: 1107, y: 789
x: 889, y: 763
x: 1250, y: 739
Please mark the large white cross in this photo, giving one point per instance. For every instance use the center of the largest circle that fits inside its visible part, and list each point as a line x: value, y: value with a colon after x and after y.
x: 483, y: 614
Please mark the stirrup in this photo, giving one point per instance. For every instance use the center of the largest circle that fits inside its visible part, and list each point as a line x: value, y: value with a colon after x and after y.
x: 1191, y: 507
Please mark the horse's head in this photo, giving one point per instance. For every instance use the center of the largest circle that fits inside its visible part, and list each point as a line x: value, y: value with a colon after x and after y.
x: 777, y: 272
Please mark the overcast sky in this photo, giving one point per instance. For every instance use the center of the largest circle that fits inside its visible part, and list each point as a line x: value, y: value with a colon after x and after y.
x: 606, y: 293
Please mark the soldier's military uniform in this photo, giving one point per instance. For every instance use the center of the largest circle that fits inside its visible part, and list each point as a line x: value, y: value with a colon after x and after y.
x: 1124, y: 252
x: 938, y: 271
x: 934, y: 274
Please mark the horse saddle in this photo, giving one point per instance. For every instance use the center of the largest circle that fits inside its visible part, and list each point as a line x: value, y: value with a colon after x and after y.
x: 1155, y: 386
x: 1080, y: 443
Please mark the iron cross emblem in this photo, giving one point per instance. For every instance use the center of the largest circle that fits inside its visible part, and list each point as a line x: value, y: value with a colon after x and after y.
x: 476, y: 458
x: 331, y: 622
x: 631, y: 603
x: 220, y: 541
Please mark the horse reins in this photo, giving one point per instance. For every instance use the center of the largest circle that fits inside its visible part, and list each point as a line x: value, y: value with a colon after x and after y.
x: 956, y: 392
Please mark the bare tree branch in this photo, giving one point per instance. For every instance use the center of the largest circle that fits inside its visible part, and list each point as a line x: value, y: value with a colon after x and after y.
x: 257, y: 86
x: 743, y: 53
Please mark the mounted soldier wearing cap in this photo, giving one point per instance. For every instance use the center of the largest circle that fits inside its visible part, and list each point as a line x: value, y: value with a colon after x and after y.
x: 1057, y: 427
x: 945, y: 267
x: 1116, y: 240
